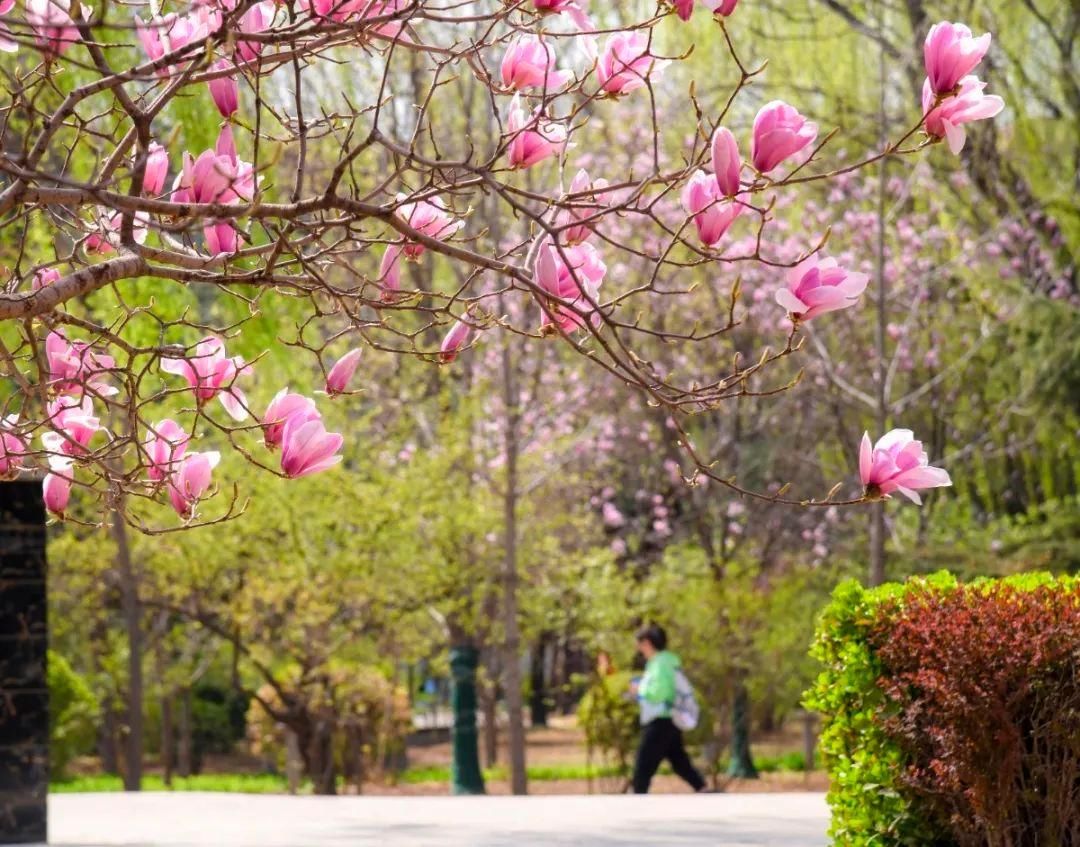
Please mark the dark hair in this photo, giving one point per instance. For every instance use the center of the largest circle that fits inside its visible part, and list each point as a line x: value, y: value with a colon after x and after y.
x: 654, y: 634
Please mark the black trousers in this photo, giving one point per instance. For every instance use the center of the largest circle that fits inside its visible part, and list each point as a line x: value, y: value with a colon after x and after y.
x: 660, y: 739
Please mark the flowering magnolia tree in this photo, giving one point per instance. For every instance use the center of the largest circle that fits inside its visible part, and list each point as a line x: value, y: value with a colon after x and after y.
x: 211, y: 149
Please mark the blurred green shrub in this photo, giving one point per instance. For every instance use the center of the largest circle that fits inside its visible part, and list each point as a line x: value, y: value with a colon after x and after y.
x: 73, y: 711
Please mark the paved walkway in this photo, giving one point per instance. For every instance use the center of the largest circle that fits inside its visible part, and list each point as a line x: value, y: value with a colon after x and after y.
x: 237, y: 820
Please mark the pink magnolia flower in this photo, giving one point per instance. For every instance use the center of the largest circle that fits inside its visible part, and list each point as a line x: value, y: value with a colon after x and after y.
x: 224, y: 89
x: 258, y: 18
x: 951, y: 53
x: 212, y: 374
x: 720, y: 7
x: 75, y: 366
x: 43, y: 277
x: 683, y: 8
x: 817, y: 285
x: 7, y: 43
x: 344, y: 10
x: 190, y: 481
x: 383, y: 9
x: 54, y: 30
x: 431, y: 218
x: 337, y: 381
x: 779, y: 132
x: 712, y: 214
x: 580, y: 209
x: 106, y: 239
x: 726, y: 162
x: 283, y: 407
x: 157, y: 166
x: 571, y: 7
x: 530, y: 63
x: 12, y: 446
x: 574, y: 282
x: 970, y: 104
x: 454, y: 340
x: 163, y: 34
x: 898, y: 463
x: 532, y: 138
x: 56, y: 487
x: 390, y: 272
x: 216, y: 176
x: 221, y: 237
x: 307, y: 448
x: 165, y: 446
x: 73, y: 423
x: 150, y: 34
x: 625, y: 63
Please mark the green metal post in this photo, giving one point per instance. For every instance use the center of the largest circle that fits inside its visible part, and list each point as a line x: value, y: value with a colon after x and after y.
x: 465, y: 774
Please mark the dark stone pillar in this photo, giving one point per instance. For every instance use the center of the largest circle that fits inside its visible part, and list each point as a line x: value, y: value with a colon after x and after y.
x: 24, y: 695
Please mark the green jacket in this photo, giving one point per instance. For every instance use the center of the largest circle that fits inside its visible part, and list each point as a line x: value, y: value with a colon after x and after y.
x: 656, y: 691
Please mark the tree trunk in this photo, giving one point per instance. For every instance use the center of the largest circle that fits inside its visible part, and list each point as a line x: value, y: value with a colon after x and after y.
x: 110, y: 758
x: 132, y: 610
x: 168, y: 739
x: 294, y: 761
x: 489, y: 701
x: 876, y: 574
x: 168, y: 730
x: 352, y: 761
x: 465, y: 774
x: 321, y: 759
x: 537, y: 683
x: 183, y: 751
x: 742, y: 762
x: 515, y: 727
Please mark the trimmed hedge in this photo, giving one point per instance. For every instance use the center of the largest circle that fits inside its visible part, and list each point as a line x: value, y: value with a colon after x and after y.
x: 952, y: 712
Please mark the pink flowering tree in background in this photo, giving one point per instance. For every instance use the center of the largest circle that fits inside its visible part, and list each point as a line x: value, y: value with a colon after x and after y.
x: 216, y: 177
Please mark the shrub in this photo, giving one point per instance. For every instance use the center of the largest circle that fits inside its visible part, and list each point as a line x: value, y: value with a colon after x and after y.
x: 609, y: 718
x: 983, y: 685
x: 953, y: 711
x: 73, y: 712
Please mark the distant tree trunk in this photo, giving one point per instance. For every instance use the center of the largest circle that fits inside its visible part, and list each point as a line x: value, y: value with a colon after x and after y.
x: 876, y: 575
x: 489, y: 701
x: 294, y: 761
x: 352, y: 763
x: 110, y: 757
x: 742, y: 762
x: 320, y: 758
x: 168, y: 730
x: 537, y: 683
x: 465, y: 774
x: 132, y: 610
x: 184, y: 745
x: 515, y: 727
x: 168, y: 738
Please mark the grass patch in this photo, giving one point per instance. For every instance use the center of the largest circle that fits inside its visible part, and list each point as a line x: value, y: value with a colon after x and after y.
x: 237, y: 783
x: 786, y: 762
x: 538, y: 773
x: 272, y: 784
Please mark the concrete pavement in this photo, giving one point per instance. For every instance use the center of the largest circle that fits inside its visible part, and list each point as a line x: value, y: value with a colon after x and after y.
x: 238, y: 820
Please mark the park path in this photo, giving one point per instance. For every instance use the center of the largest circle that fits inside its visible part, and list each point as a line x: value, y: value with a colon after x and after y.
x: 237, y: 820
